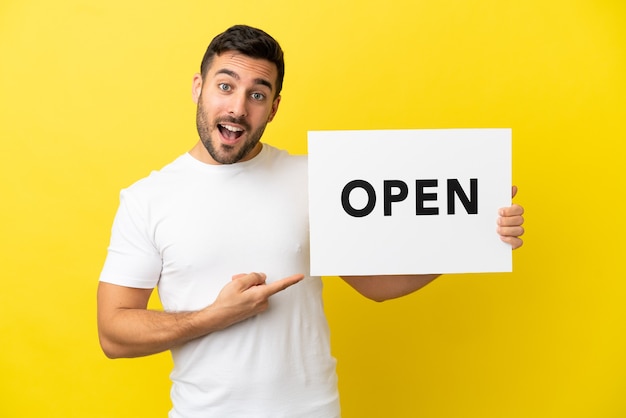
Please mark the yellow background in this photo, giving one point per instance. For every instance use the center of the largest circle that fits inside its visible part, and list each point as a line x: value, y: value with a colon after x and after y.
x: 94, y: 95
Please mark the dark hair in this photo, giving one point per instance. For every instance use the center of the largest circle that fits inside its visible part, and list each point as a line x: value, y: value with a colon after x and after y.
x: 249, y: 41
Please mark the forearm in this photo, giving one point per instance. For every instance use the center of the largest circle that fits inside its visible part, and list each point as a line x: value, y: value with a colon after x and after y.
x: 131, y: 332
x: 381, y: 288
x: 128, y: 329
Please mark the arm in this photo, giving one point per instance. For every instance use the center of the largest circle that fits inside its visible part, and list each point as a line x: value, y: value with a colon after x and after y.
x: 128, y: 329
x: 381, y: 288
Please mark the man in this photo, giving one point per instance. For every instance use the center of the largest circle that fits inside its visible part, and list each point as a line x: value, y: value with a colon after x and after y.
x: 221, y: 231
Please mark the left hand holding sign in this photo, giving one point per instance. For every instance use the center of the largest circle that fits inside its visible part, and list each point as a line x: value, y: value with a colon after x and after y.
x: 510, y: 223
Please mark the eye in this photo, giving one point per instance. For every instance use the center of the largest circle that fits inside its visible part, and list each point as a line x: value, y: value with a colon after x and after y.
x: 258, y: 96
x: 224, y: 86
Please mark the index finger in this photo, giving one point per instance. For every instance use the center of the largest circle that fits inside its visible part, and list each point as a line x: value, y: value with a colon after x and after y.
x: 282, y: 284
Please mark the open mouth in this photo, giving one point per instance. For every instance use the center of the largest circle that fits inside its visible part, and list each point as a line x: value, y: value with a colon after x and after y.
x: 230, y: 132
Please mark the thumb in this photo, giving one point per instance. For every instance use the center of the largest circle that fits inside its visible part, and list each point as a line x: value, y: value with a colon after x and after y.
x: 250, y: 279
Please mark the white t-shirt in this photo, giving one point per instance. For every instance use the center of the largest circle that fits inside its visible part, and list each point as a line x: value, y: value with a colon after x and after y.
x: 188, y: 229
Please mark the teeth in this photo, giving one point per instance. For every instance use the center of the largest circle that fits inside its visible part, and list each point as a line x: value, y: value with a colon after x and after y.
x: 232, y: 128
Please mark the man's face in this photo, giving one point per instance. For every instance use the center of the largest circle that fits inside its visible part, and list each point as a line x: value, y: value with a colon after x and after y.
x: 235, y: 102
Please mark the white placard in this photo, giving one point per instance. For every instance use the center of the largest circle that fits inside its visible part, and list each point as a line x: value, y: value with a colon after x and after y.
x: 408, y: 201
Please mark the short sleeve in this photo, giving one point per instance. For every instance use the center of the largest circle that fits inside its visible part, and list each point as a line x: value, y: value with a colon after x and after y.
x: 132, y: 258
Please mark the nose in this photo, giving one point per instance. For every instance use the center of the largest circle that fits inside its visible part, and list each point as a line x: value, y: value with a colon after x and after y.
x: 238, y: 105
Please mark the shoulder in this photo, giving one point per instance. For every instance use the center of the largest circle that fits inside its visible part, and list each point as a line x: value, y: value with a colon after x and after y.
x: 285, y: 159
x: 159, y: 182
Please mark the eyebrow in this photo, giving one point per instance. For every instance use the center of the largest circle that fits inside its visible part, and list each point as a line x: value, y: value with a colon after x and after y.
x: 234, y: 75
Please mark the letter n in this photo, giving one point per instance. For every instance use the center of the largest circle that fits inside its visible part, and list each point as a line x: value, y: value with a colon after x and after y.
x: 470, y: 204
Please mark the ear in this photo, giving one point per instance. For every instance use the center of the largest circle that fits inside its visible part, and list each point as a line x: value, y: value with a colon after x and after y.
x: 196, y: 87
x: 274, y: 109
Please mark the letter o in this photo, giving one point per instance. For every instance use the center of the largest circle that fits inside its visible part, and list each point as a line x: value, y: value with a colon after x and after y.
x: 345, y: 198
